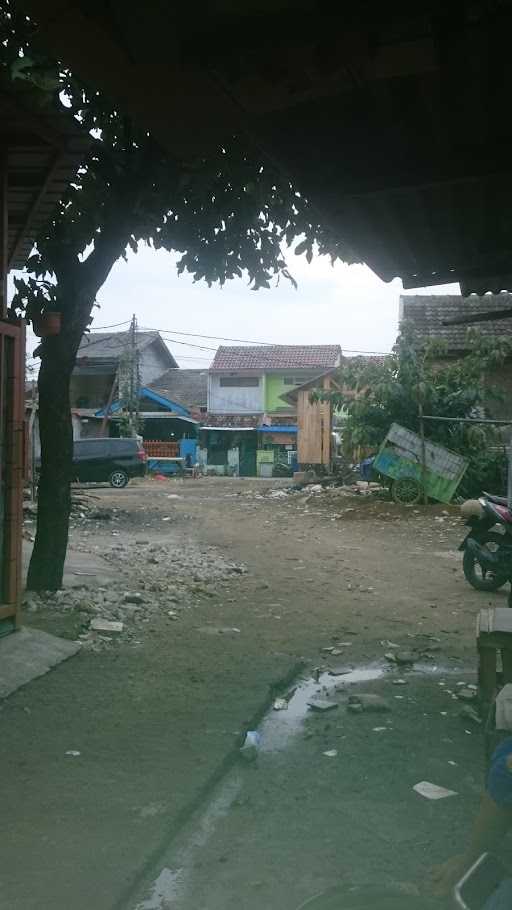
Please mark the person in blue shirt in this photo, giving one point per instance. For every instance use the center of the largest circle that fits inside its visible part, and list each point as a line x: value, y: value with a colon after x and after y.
x: 491, y: 825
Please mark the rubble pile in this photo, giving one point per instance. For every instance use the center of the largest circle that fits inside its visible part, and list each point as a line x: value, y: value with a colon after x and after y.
x: 308, y: 490
x: 154, y: 578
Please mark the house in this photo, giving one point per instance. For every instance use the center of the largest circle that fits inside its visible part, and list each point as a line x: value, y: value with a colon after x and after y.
x: 251, y: 424
x: 427, y: 315
x: 251, y: 380
x: 95, y: 379
x: 170, y: 408
x: 188, y: 388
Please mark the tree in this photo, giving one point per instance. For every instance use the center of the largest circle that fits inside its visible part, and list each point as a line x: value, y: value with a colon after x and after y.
x: 379, y: 391
x: 229, y: 214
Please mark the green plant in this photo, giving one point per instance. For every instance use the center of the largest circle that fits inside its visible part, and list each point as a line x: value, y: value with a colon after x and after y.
x: 377, y: 392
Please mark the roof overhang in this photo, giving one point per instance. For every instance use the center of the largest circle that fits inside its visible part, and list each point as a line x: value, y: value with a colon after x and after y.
x: 408, y: 155
x: 43, y: 151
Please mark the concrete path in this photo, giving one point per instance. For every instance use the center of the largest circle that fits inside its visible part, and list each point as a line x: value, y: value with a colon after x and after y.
x: 30, y: 653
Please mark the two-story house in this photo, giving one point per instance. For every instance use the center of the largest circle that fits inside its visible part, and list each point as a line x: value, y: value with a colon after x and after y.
x: 252, y: 380
x: 251, y: 424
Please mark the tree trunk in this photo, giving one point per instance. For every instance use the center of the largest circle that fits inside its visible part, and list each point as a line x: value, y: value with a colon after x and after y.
x: 56, y: 433
x: 78, y: 285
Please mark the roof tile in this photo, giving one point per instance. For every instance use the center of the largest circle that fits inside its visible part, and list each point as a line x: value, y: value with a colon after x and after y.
x: 427, y: 313
x: 277, y: 357
x: 186, y: 387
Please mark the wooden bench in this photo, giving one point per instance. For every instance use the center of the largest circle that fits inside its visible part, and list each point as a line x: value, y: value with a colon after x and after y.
x: 494, y: 633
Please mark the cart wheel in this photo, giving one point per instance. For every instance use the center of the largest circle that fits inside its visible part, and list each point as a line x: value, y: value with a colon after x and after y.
x: 406, y: 491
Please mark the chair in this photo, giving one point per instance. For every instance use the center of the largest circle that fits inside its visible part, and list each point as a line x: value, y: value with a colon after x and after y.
x: 494, y: 633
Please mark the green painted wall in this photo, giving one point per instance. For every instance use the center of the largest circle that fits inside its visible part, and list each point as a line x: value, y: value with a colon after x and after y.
x: 274, y: 387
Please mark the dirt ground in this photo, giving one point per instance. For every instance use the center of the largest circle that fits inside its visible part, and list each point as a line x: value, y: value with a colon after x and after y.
x: 238, y: 591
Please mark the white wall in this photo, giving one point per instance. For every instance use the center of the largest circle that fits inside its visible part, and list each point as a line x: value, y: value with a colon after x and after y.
x: 233, y: 399
x: 152, y: 363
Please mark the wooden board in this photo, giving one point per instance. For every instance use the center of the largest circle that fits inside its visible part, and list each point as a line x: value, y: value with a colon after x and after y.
x: 313, y: 429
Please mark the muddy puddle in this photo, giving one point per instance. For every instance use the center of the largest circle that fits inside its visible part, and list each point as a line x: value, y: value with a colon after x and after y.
x: 173, y: 884
x: 332, y: 686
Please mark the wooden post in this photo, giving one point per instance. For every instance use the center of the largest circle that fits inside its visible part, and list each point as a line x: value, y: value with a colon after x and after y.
x: 509, y: 472
x: 32, y: 444
x: 4, y: 226
x: 423, y: 454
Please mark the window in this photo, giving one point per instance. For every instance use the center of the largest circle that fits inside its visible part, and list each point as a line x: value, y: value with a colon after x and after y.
x: 239, y: 382
x: 295, y: 380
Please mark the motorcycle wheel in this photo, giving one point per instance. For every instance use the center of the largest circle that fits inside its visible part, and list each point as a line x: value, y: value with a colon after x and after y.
x: 482, y: 579
x: 366, y: 899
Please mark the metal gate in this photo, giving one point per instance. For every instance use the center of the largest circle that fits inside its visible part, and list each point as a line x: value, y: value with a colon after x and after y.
x: 12, y: 415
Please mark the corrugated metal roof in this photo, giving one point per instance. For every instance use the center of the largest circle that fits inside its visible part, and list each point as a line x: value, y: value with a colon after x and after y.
x: 110, y: 345
x: 187, y: 387
x: 277, y: 357
x: 427, y: 314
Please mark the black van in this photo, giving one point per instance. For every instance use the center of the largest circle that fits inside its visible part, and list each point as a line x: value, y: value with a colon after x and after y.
x: 115, y: 460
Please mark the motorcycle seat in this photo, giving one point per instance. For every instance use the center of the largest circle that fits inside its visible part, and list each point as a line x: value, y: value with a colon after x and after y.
x: 499, y: 500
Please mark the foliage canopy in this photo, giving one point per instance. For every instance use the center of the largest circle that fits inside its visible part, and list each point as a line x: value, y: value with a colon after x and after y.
x: 379, y: 391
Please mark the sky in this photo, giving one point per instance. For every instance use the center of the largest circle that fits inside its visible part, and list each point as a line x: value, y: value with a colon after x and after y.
x: 341, y: 304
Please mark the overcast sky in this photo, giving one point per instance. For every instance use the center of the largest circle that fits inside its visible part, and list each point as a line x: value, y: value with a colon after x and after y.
x: 346, y: 305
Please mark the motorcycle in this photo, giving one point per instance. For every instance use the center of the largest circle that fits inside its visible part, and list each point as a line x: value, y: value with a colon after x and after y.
x: 487, y: 548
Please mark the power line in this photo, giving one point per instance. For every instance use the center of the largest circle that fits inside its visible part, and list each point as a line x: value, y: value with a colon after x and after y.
x: 238, y: 340
x: 188, y: 344
x: 210, y: 337
x: 115, y: 325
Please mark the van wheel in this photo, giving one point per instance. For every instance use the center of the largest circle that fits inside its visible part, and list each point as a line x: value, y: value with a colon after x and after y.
x: 118, y: 479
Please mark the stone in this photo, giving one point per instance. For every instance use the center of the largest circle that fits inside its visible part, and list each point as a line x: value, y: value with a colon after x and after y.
x: 370, y: 702
x: 99, y: 515
x: 469, y: 713
x: 466, y: 694
x: 106, y: 625
x: 404, y: 657
x: 321, y: 706
x: 355, y: 708
x: 133, y: 598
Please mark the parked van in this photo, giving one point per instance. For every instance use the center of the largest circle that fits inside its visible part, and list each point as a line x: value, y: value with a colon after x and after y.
x: 106, y: 459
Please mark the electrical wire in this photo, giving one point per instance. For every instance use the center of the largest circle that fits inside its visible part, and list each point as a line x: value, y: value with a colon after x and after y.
x: 240, y: 340
x: 210, y: 337
x: 115, y: 325
x: 116, y: 342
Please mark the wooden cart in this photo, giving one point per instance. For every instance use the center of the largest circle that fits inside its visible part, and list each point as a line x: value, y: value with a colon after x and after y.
x: 415, y: 467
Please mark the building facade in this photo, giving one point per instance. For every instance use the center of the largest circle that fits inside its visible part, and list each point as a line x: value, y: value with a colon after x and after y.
x: 251, y: 424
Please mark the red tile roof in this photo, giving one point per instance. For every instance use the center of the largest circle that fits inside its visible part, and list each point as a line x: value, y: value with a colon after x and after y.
x: 277, y: 357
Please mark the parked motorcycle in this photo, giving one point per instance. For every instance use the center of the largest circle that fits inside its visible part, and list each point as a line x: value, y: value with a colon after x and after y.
x: 487, y: 561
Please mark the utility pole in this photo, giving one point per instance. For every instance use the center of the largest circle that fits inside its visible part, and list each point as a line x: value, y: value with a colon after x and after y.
x: 131, y: 384
x: 133, y: 379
